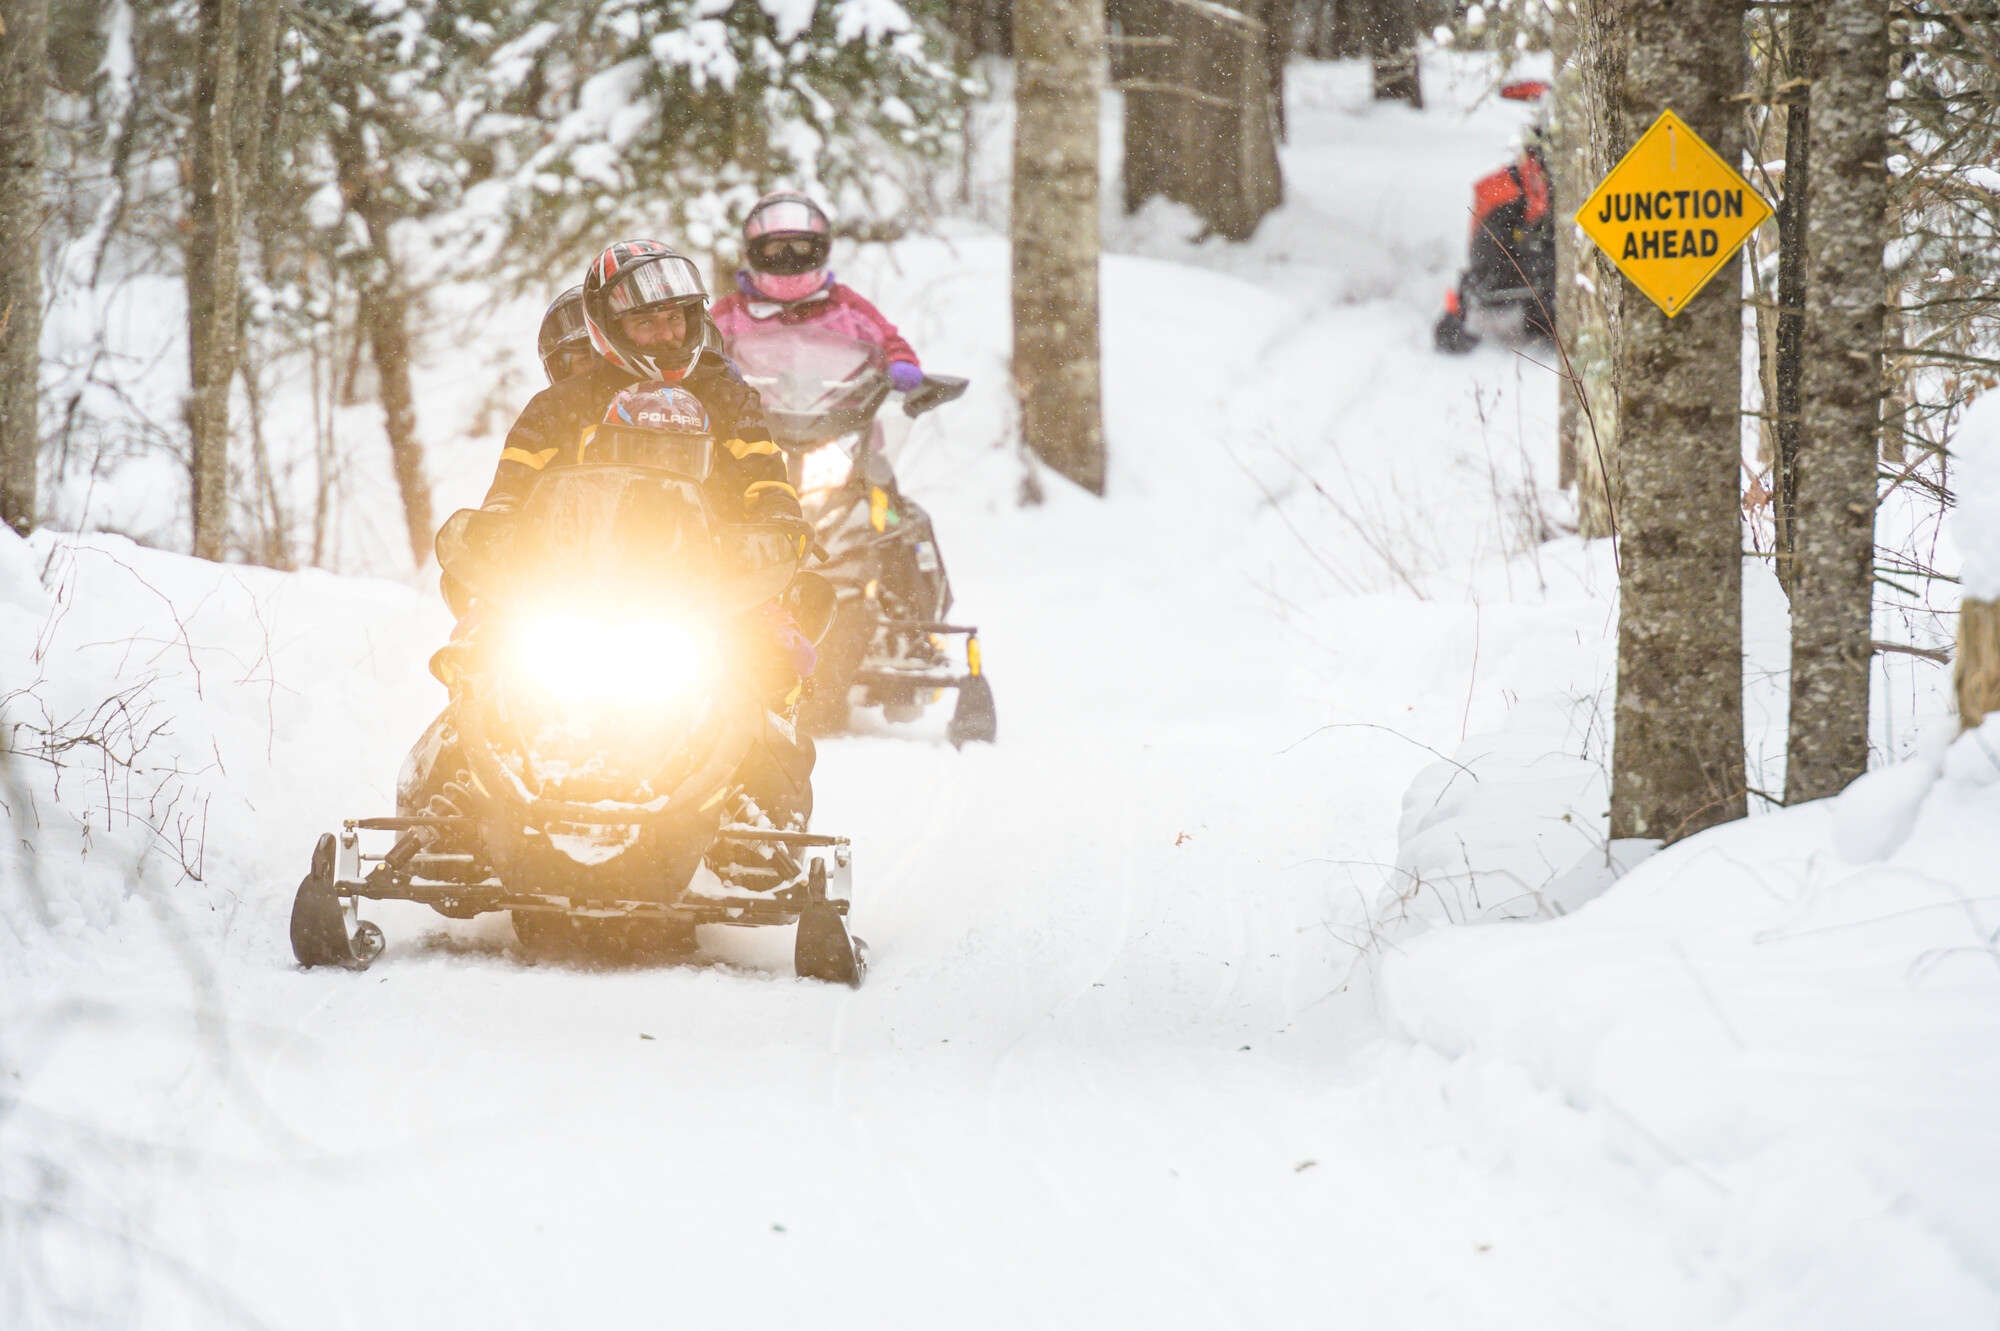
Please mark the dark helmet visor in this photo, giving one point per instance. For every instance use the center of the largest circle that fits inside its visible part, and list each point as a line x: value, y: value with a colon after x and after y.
x: 566, y: 360
x: 563, y: 322
x: 787, y: 254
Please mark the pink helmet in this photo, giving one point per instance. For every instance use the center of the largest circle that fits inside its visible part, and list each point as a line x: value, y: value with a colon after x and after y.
x: 786, y: 240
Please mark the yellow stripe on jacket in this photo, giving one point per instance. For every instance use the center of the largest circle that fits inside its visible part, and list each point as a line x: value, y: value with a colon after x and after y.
x: 535, y: 460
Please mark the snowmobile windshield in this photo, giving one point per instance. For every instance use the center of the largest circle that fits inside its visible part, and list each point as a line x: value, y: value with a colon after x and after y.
x: 605, y: 535
x: 615, y: 540
x: 816, y: 385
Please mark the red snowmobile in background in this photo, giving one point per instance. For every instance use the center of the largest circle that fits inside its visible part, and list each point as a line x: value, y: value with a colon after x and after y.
x: 1508, y: 288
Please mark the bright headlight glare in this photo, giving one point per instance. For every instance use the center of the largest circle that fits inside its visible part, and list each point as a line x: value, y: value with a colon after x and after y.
x: 578, y: 659
x: 825, y: 467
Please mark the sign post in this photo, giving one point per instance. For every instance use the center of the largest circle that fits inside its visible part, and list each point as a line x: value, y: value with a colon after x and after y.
x: 1671, y: 213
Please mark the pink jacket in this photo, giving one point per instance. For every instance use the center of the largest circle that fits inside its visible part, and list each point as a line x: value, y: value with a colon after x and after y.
x: 836, y: 308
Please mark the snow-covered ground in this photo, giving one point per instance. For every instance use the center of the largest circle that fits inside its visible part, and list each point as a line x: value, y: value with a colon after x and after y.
x: 1162, y: 1028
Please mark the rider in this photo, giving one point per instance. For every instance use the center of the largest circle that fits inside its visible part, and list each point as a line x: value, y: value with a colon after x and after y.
x: 1511, y: 259
x: 786, y: 240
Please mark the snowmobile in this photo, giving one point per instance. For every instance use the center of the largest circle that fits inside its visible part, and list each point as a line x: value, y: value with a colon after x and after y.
x: 885, y: 648
x: 1508, y: 288
x: 588, y: 774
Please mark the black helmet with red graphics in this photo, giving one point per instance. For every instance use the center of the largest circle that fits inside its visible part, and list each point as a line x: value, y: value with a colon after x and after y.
x: 637, y: 277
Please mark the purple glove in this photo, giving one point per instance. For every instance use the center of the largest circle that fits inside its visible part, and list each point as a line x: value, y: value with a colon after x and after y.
x: 905, y: 377
x: 794, y: 648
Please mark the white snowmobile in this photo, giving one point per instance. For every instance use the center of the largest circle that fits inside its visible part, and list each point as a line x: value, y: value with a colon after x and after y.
x: 821, y: 392
x: 593, y: 771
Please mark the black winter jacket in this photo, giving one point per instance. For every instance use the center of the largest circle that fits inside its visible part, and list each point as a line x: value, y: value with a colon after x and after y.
x: 746, y: 482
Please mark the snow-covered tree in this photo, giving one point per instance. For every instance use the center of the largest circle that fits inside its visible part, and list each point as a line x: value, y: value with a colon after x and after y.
x: 635, y: 118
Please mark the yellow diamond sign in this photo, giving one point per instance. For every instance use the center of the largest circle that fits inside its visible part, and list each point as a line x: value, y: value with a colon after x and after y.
x: 1671, y: 213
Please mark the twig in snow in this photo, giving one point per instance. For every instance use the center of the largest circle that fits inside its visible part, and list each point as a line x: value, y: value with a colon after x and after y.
x: 1713, y: 1006
x: 1571, y: 376
x: 1368, y: 537
x: 1279, y: 509
x: 1623, y: 1115
x: 1466, y: 718
x: 1370, y: 725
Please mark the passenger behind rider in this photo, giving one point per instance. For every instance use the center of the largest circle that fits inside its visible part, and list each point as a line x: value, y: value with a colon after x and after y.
x: 786, y: 243
x: 563, y: 342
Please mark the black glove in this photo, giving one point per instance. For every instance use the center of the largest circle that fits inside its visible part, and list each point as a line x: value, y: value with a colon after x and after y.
x: 796, y: 529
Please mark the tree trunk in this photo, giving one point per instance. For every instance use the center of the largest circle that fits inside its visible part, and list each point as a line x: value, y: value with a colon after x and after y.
x: 384, y: 317
x: 1566, y: 169
x: 1058, y: 52
x: 1144, y: 66
x: 1598, y: 138
x: 272, y: 545
x: 1677, y: 757
x: 982, y: 27
x: 386, y: 311
x: 1976, y: 663
x: 1334, y: 29
x: 212, y: 273
x: 270, y: 542
x: 1787, y: 357
x: 1392, y: 51
x: 1200, y: 121
x: 1833, y: 583
x: 1280, y: 24
x: 260, y: 41
x: 24, y: 32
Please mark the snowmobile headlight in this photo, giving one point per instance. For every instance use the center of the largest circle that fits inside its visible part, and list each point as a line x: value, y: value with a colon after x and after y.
x: 826, y: 467
x: 620, y: 661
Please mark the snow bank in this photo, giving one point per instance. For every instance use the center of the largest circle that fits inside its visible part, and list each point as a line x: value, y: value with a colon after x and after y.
x: 1795, y: 1017
x: 1511, y: 826
x: 20, y: 585
x: 1976, y: 524
x: 180, y: 731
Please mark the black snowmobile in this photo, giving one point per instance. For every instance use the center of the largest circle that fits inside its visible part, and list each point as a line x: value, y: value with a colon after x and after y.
x: 608, y: 714
x: 1508, y: 288
x: 885, y: 648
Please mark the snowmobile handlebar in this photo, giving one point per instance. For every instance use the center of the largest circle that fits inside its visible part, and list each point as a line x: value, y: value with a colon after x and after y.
x: 935, y: 391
